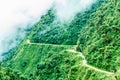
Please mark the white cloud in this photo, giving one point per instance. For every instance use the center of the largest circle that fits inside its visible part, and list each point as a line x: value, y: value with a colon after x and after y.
x: 13, y: 12
x: 66, y: 9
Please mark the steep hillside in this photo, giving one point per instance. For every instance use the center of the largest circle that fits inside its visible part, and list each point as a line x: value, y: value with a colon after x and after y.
x: 50, y: 30
x: 51, y: 51
x: 100, y: 39
x: 55, y: 62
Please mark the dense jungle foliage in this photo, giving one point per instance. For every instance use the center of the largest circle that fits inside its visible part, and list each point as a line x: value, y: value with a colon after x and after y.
x: 44, y: 54
x: 100, y: 39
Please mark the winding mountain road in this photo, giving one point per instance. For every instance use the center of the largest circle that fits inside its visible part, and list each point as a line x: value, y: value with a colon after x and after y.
x: 29, y: 42
x: 89, y: 66
x: 79, y: 55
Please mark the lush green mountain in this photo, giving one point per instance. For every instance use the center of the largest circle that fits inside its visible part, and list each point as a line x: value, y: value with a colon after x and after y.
x: 100, y: 39
x: 52, y: 51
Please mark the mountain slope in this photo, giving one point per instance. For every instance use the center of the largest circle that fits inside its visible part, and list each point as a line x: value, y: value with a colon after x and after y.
x: 100, y: 40
x: 55, y: 62
x: 51, y: 51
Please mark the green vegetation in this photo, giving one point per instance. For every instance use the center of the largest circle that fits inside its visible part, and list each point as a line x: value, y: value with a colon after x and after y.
x: 53, y: 62
x: 9, y: 74
x: 49, y: 52
x: 27, y: 62
x: 100, y: 39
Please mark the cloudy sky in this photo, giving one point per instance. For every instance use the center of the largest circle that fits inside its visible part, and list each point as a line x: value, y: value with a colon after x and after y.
x: 20, y: 13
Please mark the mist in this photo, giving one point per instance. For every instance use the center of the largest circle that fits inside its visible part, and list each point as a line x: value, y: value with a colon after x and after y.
x: 67, y: 9
x: 18, y: 15
x: 15, y: 17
